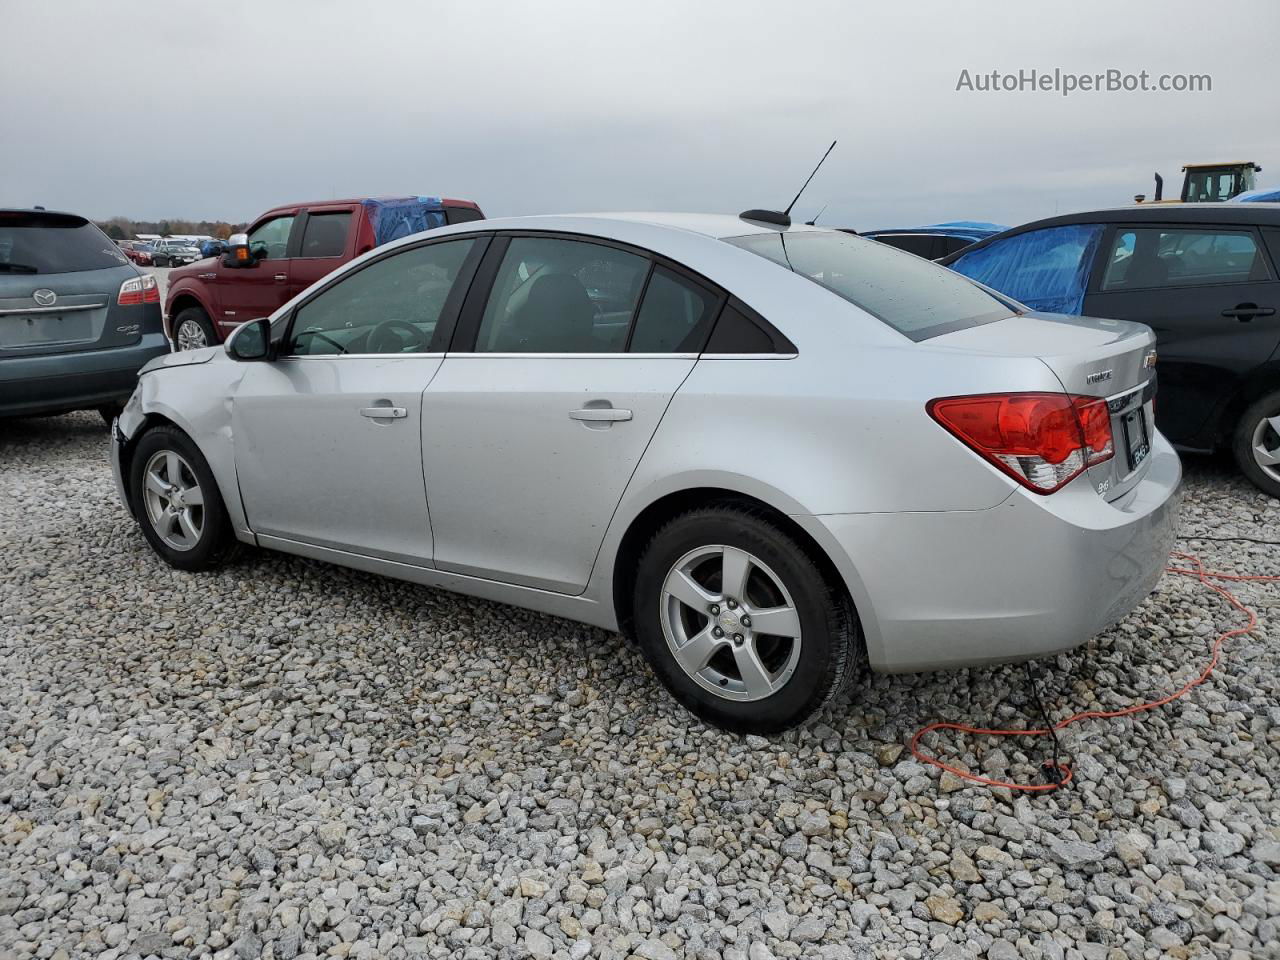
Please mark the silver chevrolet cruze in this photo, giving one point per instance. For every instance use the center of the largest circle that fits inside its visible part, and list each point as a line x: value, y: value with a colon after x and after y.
x: 764, y: 452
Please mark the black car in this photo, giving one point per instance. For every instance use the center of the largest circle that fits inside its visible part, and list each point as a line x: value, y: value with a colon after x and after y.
x: 77, y: 319
x: 1203, y: 276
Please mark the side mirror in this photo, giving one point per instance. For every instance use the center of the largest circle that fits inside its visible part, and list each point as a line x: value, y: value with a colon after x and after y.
x: 238, y: 253
x: 250, y: 341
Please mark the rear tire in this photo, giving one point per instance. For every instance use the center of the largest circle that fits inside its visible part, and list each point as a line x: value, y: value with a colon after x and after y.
x: 177, y: 503
x: 759, y: 654
x: 1256, y: 443
x: 192, y: 329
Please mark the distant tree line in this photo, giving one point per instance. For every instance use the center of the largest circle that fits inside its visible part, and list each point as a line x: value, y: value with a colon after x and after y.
x: 122, y: 228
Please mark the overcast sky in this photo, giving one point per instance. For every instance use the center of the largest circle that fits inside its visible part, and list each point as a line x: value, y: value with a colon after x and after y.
x: 222, y: 108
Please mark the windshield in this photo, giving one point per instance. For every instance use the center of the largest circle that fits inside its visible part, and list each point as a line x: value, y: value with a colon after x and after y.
x: 53, y: 243
x: 912, y: 295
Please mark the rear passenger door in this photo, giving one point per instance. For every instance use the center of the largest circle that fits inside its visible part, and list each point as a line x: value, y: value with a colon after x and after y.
x: 325, y: 243
x: 1211, y: 295
x: 565, y: 360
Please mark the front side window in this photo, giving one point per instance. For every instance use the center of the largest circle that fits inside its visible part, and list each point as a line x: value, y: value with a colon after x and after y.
x: 390, y: 306
x: 325, y: 234
x: 912, y: 295
x: 555, y: 295
x: 675, y: 315
x: 1046, y: 269
x: 271, y: 239
x: 1147, y: 257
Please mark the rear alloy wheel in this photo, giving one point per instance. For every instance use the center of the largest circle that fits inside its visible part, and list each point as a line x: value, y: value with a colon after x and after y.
x: 1256, y: 444
x: 740, y: 623
x: 192, y: 329
x: 177, y: 502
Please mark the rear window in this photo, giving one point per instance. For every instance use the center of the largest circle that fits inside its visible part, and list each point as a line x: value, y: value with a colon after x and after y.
x: 44, y: 243
x: 915, y: 297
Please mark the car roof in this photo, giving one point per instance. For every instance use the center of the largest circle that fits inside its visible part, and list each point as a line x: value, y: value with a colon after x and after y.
x: 718, y: 226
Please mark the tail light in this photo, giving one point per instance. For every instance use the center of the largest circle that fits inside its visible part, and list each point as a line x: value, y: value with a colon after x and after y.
x: 1042, y: 440
x: 139, y: 290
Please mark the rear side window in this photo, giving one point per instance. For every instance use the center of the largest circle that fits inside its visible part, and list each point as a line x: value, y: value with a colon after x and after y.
x: 1046, y: 269
x: 675, y: 315
x: 45, y: 243
x: 1149, y: 257
x: 735, y: 332
x: 561, y: 296
x: 325, y: 234
x: 915, y: 297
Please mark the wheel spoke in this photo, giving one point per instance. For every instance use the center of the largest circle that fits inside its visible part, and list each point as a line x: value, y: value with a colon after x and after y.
x: 754, y: 675
x: 696, y: 653
x: 688, y: 591
x: 1265, y: 457
x: 173, y: 467
x: 188, y: 528
x: 1274, y: 423
x: 736, y: 569
x: 781, y: 621
x: 192, y: 496
x: 156, y: 485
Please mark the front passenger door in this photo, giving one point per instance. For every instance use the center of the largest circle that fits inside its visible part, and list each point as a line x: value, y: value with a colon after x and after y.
x: 246, y: 293
x: 328, y: 438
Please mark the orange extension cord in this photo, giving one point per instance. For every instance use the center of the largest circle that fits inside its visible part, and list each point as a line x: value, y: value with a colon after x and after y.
x: 1198, y: 571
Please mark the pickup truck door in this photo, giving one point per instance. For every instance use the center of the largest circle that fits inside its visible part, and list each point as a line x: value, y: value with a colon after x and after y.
x: 246, y: 293
x: 327, y: 241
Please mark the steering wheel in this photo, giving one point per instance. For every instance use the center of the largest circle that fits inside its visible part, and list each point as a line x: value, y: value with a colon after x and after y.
x: 381, y: 339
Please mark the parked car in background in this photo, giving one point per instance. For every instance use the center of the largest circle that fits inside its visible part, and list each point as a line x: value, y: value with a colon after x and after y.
x: 1261, y: 195
x: 137, y: 251
x: 213, y: 248
x: 171, y: 252
x: 286, y: 250
x: 935, y: 241
x: 77, y: 319
x: 759, y: 451
x: 1203, y: 276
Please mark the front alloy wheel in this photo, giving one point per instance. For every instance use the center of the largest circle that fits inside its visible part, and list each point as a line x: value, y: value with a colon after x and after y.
x: 191, y: 335
x: 174, y: 500
x: 1256, y: 443
x: 1266, y: 446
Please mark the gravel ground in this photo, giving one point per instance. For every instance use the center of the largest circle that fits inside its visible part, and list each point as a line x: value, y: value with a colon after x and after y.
x: 287, y: 759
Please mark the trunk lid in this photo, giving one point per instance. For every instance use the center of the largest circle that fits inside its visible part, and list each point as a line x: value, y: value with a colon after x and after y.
x: 1091, y: 357
x: 64, y: 312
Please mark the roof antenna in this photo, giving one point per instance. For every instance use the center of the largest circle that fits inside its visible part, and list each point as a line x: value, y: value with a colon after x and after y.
x: 810, y: 223
x: 783, y: 219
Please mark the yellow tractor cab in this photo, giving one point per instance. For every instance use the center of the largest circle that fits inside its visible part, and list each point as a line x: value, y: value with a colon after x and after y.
x: 1208, y: 183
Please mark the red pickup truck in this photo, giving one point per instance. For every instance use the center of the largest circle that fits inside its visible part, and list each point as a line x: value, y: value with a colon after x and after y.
x: 285, y: 251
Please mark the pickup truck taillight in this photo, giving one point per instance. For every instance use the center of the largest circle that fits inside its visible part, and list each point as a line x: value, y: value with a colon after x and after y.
x: 1042, y: 440
x: 139, y: 290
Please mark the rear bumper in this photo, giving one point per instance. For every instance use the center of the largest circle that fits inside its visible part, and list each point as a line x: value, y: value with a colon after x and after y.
x: 55, y: 383
x: 1031, y: 577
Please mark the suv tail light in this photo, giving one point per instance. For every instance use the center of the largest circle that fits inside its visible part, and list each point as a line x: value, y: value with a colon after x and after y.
x: 139, y: 290
x: 1042, y: 440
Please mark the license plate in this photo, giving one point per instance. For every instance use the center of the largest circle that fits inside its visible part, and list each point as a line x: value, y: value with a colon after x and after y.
x: 1137, y: 441
x: 39, y: 330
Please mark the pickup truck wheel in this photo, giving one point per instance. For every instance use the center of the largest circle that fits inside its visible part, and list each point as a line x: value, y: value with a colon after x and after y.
x: 1256, y: 444
x: 192, y: 329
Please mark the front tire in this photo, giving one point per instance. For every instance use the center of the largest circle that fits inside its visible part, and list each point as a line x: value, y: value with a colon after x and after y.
x: 177, y: 503
x: 740, y: 623
x: 1256, y: 444
x: 192, y: 329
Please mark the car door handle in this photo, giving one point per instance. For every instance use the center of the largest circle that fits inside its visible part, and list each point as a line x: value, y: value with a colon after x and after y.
x: 384, y: 413
x: 600, y: 414
x: 281, y: 277
x: 1245, y: 312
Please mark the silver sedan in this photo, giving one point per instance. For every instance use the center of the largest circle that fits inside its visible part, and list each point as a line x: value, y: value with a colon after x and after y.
x: 767, y: 454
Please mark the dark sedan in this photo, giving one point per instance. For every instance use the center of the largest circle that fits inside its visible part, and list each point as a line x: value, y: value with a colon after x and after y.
x: 1203, y: 276
x: 77, y: 319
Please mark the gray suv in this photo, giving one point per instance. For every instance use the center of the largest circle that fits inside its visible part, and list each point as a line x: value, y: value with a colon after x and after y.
x: 77, y: 319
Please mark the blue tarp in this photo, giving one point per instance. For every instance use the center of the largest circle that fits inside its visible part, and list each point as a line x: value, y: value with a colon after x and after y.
x: 1047, y: 269
x: 964, y: 229
x: 1264, y: 195
x: 396, y: 217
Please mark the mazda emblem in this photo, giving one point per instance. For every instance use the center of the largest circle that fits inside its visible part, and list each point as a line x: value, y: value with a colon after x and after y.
x: 45, y: 298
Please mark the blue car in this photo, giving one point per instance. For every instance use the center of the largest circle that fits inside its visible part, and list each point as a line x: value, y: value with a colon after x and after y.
x: 213, y: 248
x: 937, y: 240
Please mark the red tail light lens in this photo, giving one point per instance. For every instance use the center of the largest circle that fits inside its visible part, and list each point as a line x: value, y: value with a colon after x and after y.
x: 139, y: 290
x: 1042, y: 440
